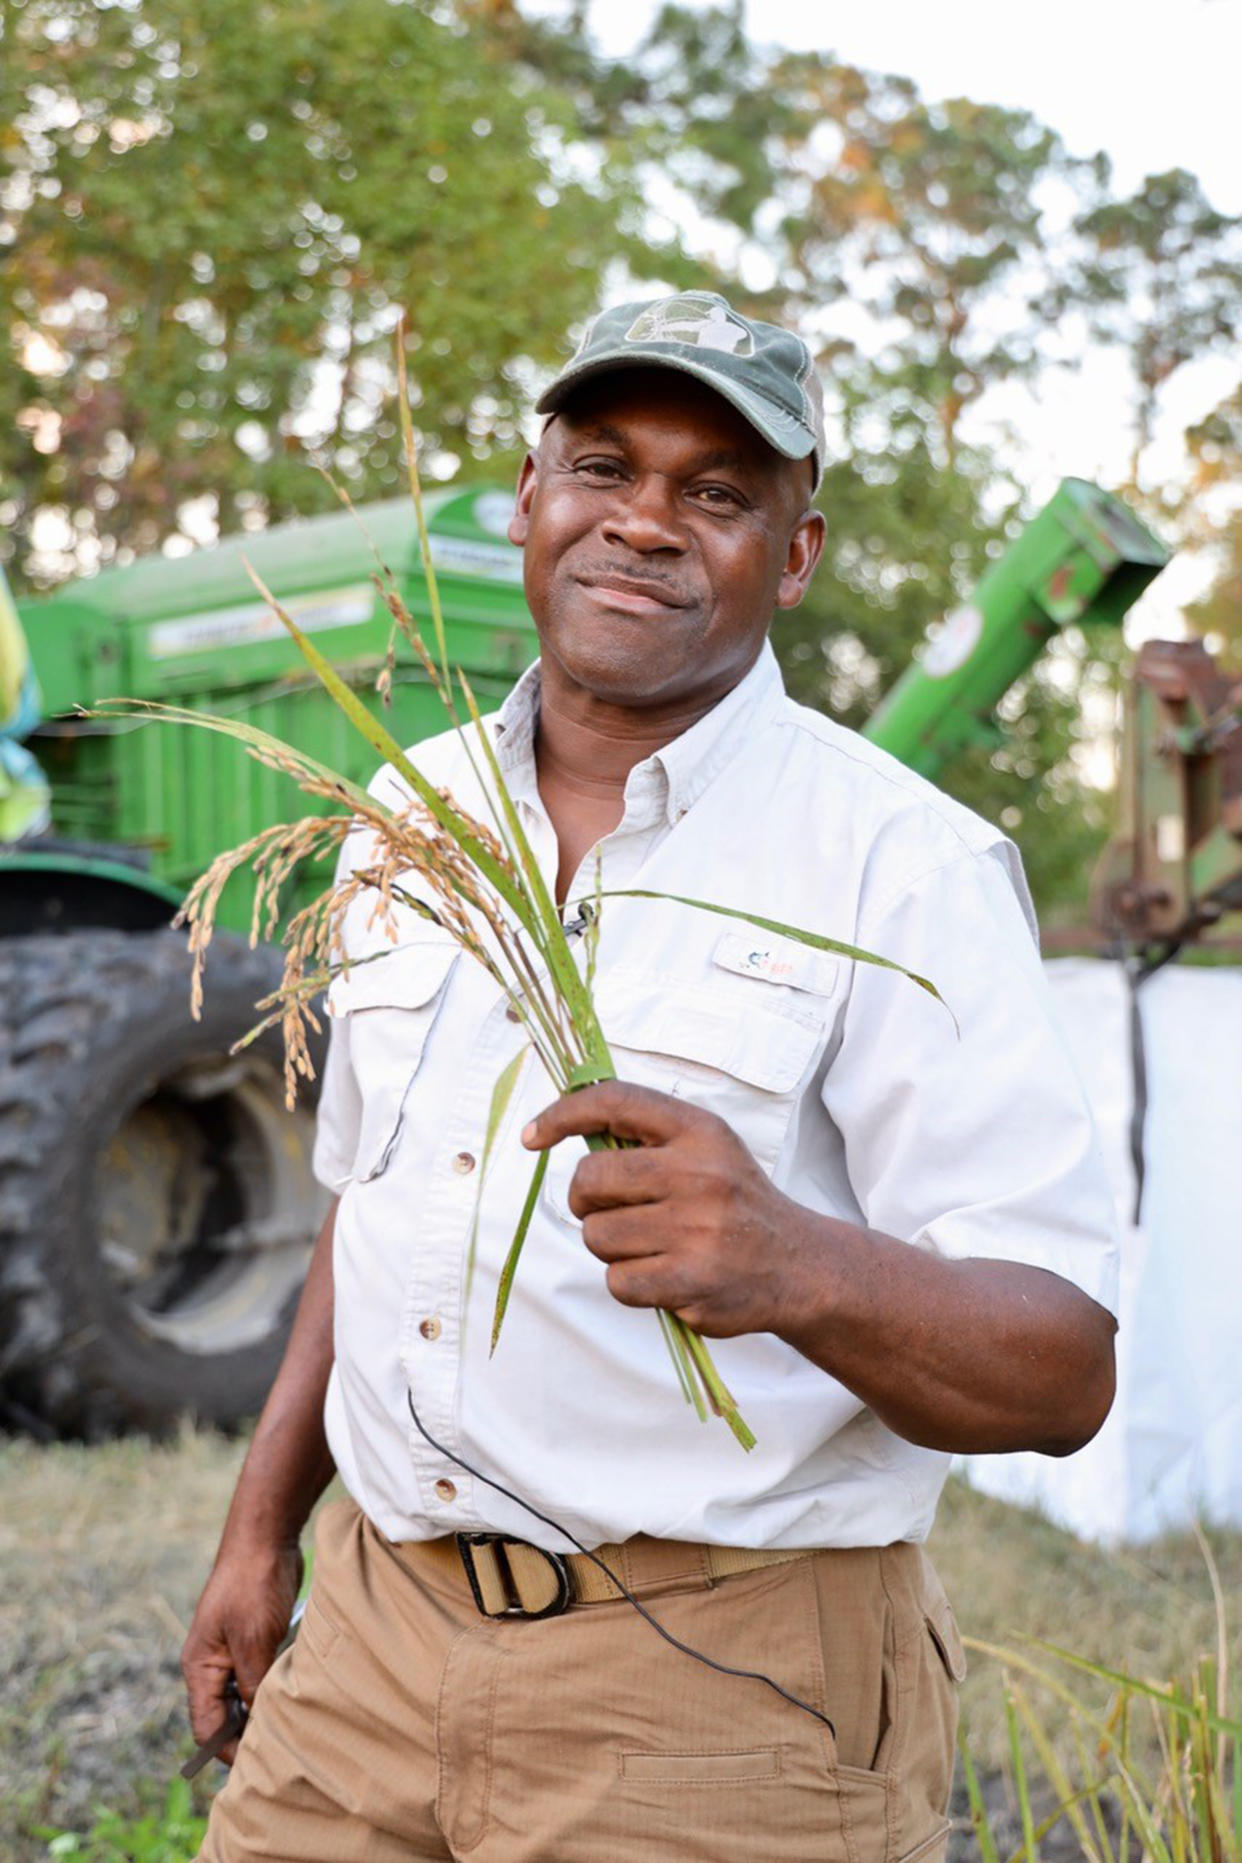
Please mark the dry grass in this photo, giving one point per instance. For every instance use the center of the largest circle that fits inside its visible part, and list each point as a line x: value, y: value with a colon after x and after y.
x: 1147, y: 1610
x: 102, y: 1552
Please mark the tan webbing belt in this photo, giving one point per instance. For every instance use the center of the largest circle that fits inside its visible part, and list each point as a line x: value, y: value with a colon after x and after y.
x: 510, y: 1576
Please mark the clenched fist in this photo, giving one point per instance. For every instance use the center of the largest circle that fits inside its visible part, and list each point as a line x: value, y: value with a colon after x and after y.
x: 682, y: 1215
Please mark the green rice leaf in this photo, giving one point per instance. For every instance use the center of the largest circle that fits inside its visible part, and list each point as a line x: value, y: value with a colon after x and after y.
x: 502, y: 1093
x: 260, y: 744
x: 978, y: 1807
x: 1022, y: 1790
x: 505, y: 1285
x: 416, y: 493
x: 449, y: 818
x: 816, y: 940
x: 1171, y: 1697
x: 685, y: 1372
x: 1070, y: 1800
x: 553, y: 944
x: 718, y: 1393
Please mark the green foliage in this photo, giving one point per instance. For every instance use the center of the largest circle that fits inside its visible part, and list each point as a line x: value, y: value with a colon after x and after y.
x: 170, y: 1834
x: 1159, y: 274
x: 1216, y: 451
x: 209, y: 218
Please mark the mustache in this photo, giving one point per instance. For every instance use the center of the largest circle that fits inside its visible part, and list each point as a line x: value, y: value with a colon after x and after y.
x: 639, y: 574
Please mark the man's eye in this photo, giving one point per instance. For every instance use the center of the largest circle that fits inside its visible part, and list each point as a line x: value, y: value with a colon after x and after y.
x: 599, y: 468
x: 722, y: 496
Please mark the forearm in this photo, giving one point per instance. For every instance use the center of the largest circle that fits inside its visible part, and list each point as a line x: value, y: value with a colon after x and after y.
x: 289, y: 1465
x: 967, y: 1356
x: 972, y: 1357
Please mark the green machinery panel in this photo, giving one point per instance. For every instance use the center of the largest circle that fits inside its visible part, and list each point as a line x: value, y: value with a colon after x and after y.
x: 1084, y: 558
x: 195, y: 631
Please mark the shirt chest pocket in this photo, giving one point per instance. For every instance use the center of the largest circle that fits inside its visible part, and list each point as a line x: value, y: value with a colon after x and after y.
x: 722, y: 1044
x: 389, y: 1006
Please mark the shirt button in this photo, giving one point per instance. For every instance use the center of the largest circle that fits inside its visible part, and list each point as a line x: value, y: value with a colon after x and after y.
x: 446, y: 1489
x: 430, y: 1329
x: 463, y: 1163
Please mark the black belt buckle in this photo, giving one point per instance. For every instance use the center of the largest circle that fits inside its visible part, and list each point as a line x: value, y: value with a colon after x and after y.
x: 493, y: 1545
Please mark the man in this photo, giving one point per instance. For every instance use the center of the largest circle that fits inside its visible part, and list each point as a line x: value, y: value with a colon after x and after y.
x: 890, y: 1217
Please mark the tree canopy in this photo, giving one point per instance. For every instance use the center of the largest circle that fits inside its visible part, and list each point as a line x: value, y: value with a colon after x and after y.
x: 211, y: 218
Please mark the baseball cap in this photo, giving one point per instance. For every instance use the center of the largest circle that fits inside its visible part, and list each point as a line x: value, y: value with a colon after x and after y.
x: 766, y: 373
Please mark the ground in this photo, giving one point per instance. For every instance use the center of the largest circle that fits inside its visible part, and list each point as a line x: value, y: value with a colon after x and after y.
x: 102, y: 1551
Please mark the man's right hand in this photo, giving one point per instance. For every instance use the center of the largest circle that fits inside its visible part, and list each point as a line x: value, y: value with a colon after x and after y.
x: 244, y: 1611
x: 239, y: 1625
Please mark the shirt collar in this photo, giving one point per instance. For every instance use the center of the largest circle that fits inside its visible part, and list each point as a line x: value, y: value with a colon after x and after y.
x: 683, y: 769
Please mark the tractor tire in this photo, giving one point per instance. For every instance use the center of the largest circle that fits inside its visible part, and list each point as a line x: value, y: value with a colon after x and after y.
x: 157, y: 1207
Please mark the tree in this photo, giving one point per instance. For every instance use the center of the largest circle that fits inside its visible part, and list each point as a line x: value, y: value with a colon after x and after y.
x: 209, y: 218
x: 1215, y: 446
x: 1160, y: 275
x: 932, y: 217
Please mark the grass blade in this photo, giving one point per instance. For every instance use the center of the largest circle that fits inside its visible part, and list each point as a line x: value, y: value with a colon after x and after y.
x: 453, y: 821
x: 261, y: 744
x: 502, y: 1093
x: 505, y: 1284
x: 554, y: 945
x: 978, y: 1807
x: 1069, y: 1799
x: 685, y: 1378
x: 1030, y: 1849
x: 718, y: 1392
x: 816, y: 940
x: 416, y: 493
x: 1171, y: 1697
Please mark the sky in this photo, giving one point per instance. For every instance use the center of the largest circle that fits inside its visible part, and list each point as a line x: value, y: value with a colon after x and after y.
x: 1156, y: 84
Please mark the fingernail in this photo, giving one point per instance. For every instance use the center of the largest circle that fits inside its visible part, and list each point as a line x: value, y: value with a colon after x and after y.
x: 528, y: 1133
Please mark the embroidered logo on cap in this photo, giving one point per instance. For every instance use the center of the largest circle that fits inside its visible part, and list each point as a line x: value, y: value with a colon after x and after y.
x: 706, y: 322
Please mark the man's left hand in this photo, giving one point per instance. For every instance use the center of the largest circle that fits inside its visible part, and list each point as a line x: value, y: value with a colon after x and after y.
x: 683, y: 1216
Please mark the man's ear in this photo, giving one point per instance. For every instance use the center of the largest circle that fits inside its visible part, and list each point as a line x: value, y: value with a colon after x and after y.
x: 806, y: 546
x: 519, y: 523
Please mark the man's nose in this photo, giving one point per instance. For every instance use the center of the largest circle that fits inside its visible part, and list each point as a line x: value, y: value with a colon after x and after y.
x: 646, y: 516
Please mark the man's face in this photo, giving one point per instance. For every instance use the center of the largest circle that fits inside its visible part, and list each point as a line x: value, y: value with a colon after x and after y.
x: 660, y: 531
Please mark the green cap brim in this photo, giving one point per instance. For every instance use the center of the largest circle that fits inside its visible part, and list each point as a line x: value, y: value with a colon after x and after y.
x: 782, y: 431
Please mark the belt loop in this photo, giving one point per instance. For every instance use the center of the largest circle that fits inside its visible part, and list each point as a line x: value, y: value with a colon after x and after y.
x: 677, y: 1565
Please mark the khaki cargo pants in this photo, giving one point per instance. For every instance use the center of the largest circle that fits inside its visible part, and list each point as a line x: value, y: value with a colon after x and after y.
x: 404, y: 1725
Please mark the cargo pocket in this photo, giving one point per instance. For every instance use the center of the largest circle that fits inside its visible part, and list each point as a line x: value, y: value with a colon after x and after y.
x: 937, y: 1664
x: 390, y: 1004
x: 717, y: 1047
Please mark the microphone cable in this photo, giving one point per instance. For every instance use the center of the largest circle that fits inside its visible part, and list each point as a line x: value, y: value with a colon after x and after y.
x: 709, y: 1662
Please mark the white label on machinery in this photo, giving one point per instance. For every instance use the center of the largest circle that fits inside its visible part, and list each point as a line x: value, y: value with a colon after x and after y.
x: 492, y: 511
x: 954, y: 644
x: 1170, y: 839
x: 467, y: 556
x: 254, y: 621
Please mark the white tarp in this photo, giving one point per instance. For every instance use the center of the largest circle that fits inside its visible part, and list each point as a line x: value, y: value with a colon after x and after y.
x: 1172, y: 1448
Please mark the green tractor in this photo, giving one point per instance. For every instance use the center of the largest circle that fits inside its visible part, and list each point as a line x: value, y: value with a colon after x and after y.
x: 157, y: 1205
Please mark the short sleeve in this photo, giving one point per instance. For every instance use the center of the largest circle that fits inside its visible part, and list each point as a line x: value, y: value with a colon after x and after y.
x: 974, y: 1142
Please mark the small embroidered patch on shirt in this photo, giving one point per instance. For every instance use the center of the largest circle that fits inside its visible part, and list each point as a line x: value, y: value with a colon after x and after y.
x: 776, y: 960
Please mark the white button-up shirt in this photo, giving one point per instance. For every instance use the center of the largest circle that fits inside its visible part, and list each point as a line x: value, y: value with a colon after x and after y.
x: 849, y: 1085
